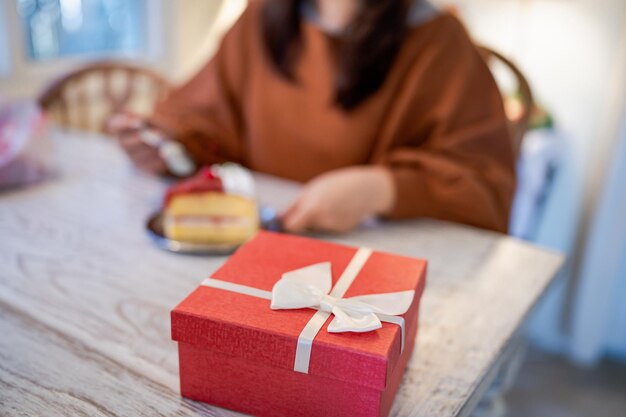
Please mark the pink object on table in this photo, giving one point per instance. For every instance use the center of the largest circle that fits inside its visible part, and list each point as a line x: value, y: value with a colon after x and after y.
x: 25, y: 151
x: 235, y: 351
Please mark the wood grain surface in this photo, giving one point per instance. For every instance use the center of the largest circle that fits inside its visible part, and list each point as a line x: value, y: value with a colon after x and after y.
x: 85, y: 297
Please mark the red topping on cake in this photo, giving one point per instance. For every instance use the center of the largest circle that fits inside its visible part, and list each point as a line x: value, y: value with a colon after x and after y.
x: 205, y: 180
x: 207, y: 174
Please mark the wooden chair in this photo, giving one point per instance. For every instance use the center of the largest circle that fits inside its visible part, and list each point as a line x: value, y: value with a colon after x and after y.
x: 86, y: 97
x: 519, y: 122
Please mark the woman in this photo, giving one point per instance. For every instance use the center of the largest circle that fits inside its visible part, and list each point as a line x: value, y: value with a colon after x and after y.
x: 383, y: 107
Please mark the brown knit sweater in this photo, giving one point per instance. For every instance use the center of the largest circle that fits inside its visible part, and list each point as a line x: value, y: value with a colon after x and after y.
x: 437, y: 121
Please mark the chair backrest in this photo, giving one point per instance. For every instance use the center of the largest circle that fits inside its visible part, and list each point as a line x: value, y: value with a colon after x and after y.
x: 86, y: 97
x: 518, y: 124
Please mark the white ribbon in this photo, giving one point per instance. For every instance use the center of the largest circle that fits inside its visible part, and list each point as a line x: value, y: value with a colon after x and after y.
x: 310, y: 287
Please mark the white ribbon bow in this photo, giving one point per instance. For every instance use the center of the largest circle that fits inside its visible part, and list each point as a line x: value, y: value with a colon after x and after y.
x: 309, y: 287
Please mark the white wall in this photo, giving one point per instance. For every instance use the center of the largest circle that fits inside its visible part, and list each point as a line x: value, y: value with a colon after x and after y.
x: 195, y: 30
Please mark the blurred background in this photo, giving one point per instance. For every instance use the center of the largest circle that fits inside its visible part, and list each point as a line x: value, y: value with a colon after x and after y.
x: 572, y: 169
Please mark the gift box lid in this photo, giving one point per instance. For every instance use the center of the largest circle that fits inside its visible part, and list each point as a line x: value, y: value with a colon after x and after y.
x: 245, y: 326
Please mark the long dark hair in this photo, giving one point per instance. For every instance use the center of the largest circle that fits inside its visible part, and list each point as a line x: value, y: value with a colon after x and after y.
x: 364, y: 54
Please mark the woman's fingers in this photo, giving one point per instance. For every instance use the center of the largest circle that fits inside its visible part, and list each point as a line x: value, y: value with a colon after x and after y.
x: 119, y: 123
x: 299, y: 216
x: 126, y: 128
x: 152, y: 165
x: 310, y: 211
x: 146, y: 157
x: 132, y: 142
x: 339, y: 200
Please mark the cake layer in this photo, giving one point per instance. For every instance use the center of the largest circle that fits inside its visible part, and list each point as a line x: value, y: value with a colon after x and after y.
x: 210, y: 230
x: 211, y: 204
x: 217, y: 221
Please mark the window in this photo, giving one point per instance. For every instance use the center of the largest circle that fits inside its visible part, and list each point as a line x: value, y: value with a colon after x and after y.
x: 61, y: 28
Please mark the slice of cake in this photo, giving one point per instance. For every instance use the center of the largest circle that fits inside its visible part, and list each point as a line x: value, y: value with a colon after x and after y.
x: 215, y: 206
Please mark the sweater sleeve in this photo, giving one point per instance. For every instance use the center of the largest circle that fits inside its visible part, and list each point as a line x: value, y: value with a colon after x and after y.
x: 458, y: 163
x: 204, y: 114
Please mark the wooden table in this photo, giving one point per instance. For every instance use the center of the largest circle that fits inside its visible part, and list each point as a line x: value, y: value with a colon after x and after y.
x: 85, y: 297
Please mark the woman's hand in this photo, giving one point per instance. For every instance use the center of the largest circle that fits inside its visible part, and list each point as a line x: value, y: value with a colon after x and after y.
x: 126, y: 127
x: 339, y: 200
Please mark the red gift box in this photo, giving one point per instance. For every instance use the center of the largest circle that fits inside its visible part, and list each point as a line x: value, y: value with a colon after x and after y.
x: 238, y: 353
